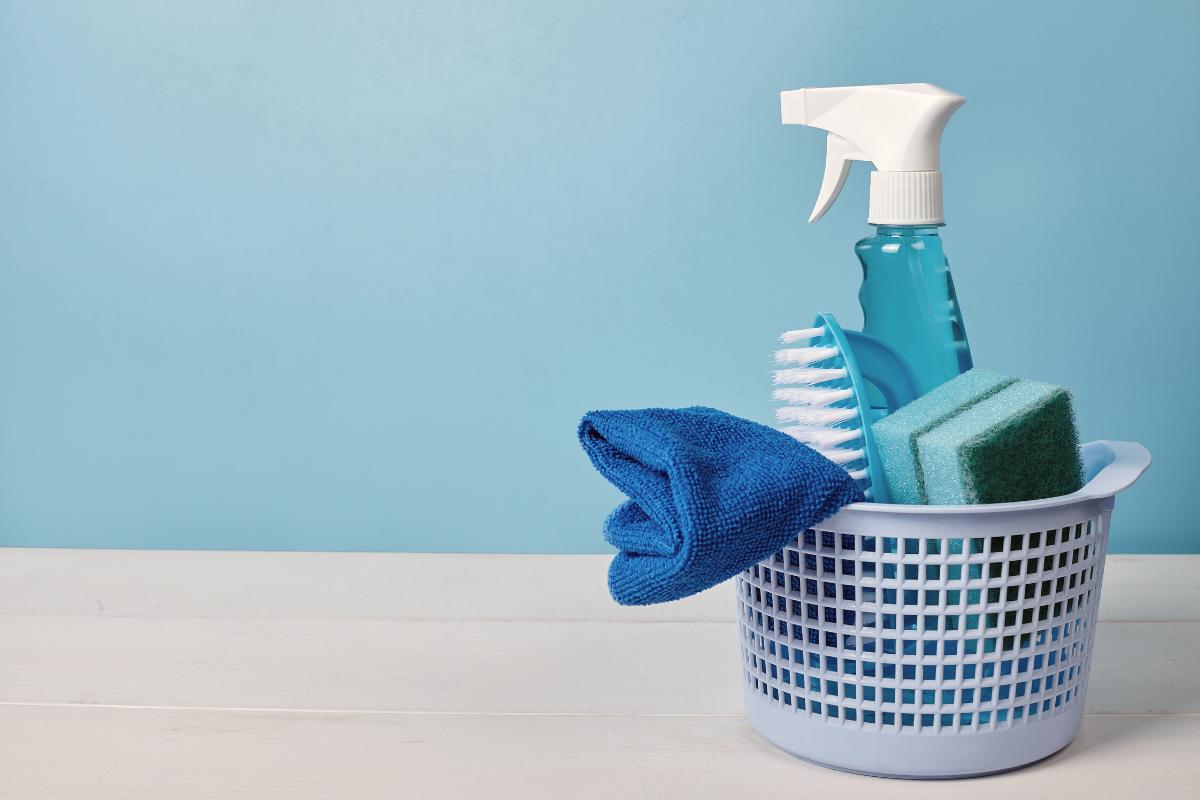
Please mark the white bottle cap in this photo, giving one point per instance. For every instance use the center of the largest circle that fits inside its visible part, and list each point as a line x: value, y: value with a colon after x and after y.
x: 897, y: 127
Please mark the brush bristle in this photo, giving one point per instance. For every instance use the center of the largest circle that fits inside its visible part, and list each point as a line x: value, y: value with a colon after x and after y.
x: 801, y: 335
x: 818, y: 436
x: 815, y: 416
x: 807, y: 376
x: 804, y: 356
x: 842, y: 457
x: 811, y: 396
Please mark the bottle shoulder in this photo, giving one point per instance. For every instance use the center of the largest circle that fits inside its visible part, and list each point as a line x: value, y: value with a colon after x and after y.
x: 891, y: 244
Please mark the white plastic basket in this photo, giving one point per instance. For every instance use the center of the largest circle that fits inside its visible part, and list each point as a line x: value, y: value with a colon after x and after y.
x: 933, y: 641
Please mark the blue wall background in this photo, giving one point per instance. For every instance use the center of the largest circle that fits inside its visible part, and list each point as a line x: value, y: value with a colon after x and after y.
x: 344, y: 276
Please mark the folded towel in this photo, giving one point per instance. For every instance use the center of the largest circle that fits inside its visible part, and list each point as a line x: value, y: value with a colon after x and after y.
x: 710, y: 495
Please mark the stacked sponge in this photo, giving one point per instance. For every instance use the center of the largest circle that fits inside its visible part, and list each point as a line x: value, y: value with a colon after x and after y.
x: 981, y: 438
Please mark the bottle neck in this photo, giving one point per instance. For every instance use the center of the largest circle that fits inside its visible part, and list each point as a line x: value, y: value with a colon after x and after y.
x: 906, y: 230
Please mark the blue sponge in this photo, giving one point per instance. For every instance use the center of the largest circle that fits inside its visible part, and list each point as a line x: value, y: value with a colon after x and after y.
x: 896, y: 434
x: 1018, y: 444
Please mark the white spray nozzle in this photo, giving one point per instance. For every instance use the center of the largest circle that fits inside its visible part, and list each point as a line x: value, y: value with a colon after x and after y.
x: 897, y: 127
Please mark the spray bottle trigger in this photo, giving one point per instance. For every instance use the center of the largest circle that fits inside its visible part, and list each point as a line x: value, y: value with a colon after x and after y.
x: 839, y: 154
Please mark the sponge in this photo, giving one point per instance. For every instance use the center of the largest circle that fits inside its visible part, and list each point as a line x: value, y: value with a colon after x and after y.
x: 896, y: 434
x: 1018, y: 444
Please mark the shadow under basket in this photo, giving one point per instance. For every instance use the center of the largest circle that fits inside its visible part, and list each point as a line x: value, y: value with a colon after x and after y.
x: 933, y: 641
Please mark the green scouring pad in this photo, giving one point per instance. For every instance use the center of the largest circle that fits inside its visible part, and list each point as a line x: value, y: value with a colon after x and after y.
x: 1018, y: 444
x: 896, y: 434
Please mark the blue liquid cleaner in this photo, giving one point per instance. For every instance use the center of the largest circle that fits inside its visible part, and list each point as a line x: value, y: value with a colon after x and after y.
x: 908, y: 301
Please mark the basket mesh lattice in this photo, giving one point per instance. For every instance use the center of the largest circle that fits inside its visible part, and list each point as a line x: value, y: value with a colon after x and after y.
x: 928, y: 635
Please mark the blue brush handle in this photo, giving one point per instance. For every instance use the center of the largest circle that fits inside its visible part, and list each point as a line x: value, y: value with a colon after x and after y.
x: 884, y: 367
x: 870, y: 361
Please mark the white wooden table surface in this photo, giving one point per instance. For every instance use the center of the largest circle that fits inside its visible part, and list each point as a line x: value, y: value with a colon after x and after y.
x: 130, y: 674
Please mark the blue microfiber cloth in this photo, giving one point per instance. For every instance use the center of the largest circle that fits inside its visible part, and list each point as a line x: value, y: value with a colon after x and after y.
x: 710, y: 495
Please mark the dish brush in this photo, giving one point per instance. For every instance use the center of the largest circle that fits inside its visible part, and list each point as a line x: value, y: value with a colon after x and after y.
x: 823, y: 383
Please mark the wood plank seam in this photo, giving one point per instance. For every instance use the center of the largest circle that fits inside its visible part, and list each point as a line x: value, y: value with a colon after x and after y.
x: 404, y: 713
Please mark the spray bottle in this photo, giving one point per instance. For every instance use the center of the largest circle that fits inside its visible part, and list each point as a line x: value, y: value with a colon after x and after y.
x: 907, y: 293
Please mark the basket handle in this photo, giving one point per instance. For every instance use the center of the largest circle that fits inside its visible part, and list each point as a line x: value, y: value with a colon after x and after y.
x: 1123, y: 463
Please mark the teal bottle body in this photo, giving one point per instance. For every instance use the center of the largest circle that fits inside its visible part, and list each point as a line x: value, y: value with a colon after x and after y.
x: 908, y: 301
